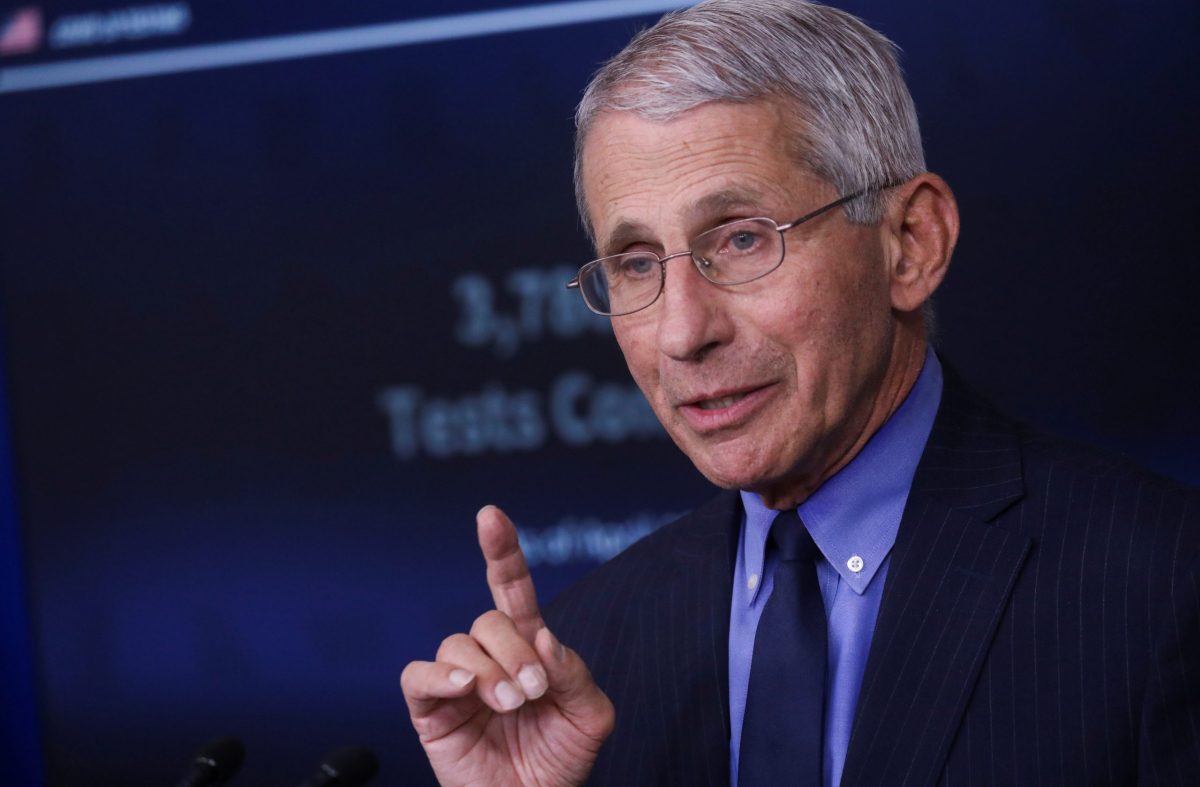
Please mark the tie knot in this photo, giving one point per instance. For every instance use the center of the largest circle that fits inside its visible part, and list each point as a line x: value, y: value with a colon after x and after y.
x: 792, y: 538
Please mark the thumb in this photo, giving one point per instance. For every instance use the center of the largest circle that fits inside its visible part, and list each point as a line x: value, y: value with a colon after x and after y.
x: 572, y: 689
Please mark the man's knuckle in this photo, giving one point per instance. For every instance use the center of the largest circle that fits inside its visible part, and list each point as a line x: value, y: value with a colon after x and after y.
x: 488, y: 621
x: 408, y: 676
x: 450, y: 644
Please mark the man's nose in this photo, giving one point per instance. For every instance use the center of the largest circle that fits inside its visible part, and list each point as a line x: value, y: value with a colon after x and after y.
x: 692, y: 319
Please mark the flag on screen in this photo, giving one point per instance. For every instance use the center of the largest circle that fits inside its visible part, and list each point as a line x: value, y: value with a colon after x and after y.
x: 20, y: 31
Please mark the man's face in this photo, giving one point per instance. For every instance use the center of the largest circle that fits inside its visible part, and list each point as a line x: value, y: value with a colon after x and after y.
x: 768, y: 385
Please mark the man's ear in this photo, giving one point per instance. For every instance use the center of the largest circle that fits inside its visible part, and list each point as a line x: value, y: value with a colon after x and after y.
x: 921, y: 220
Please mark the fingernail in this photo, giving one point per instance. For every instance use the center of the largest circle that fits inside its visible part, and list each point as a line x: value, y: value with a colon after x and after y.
x: 508, y: 696
x: 460, y: 677
x: 560, y: 652
x: 533, y: 680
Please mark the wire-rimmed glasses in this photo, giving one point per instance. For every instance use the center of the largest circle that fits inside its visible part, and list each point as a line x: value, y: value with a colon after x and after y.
x: 734, y: 253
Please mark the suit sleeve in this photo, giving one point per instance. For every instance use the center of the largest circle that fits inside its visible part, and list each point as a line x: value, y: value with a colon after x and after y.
x: 1169, y: 749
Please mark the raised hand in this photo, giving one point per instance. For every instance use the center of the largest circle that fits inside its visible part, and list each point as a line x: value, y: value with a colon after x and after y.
x: 507, y: 704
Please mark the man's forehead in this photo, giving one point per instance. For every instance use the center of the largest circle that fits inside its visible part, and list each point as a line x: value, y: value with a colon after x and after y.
x: 622, y: 144
x: 715, y: 160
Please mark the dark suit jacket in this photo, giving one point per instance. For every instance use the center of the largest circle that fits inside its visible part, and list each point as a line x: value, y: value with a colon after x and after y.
x: 1040, y: 625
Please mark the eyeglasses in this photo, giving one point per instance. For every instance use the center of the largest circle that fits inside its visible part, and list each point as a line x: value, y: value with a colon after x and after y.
x: 734, y: 253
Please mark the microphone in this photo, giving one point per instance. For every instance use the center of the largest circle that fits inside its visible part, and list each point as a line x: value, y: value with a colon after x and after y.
x: 352, y: 766
x: 216, y: 763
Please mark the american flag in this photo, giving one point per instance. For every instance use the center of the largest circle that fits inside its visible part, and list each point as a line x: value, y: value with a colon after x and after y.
x: 20, y: 31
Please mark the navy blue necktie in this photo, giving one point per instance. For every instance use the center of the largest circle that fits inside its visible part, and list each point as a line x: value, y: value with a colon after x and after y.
x: 783, y: 728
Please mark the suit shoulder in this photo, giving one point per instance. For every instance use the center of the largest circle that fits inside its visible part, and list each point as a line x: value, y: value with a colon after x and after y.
x: 1046, y: 455
x: 1102, y: 494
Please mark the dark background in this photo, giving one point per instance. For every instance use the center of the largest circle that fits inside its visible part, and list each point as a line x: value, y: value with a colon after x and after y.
x: 254, y: 397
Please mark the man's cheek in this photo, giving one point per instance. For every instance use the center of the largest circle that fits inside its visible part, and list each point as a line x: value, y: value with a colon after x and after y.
x: 666, y: 414
x: 647, y: 379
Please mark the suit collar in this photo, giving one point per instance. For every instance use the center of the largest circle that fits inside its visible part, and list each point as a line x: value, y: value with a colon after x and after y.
x: 972, y: 460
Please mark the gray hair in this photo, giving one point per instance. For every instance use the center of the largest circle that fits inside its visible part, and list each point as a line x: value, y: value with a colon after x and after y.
x: 855, y: 125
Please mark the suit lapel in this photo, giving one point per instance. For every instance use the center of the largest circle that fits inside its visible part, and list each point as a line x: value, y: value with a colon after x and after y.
x: 698, y: 657
x: 653, y: 624
x: 671, y: 684
x: 949, y: 580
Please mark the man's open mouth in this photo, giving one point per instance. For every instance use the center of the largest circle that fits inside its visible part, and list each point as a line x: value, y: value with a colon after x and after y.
x: 721, y: 402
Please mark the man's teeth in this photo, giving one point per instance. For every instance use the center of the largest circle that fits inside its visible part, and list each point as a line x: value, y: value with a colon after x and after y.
x: 717, y: 404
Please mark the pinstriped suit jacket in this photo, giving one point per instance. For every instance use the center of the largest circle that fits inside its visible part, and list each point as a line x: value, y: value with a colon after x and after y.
x: 1040, y: 625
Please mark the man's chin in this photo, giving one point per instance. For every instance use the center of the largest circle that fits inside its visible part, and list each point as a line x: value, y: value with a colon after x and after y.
x: 778, y: 487
x: 732, y: 475
x: 727, y: 463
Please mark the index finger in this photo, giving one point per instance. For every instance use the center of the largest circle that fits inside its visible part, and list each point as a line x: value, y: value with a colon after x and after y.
x: 507, y: 572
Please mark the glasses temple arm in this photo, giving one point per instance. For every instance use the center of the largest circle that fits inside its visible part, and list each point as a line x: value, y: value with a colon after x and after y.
x: 837, y: 203
x: 822, y: 209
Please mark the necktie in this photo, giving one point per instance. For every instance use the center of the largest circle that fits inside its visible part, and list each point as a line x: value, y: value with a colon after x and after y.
x: 783, y: 729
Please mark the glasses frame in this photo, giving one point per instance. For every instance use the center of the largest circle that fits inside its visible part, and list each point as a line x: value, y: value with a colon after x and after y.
x: 701, y: 263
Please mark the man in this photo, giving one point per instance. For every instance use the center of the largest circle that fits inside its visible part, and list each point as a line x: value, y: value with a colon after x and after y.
x: 901, y: 586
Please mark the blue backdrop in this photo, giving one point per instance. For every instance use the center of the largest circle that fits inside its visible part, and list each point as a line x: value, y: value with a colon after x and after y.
x: 273, y: 331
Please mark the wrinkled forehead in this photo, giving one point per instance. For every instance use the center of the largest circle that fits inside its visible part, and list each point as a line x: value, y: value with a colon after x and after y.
x: 714, y: 162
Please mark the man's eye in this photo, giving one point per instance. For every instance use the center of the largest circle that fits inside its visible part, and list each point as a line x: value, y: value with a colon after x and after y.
x: 743, y: 241
x: 637, y: 267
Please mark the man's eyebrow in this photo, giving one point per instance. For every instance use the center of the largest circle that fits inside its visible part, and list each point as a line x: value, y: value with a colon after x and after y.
x: 720, y: 204
x: 625, y: 233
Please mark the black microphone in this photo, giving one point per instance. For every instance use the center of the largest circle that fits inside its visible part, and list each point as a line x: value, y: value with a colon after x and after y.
x: 216, y: 763
x: 352, y: 766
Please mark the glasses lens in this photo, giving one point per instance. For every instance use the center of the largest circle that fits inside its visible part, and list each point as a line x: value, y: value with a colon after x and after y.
x: 739, y: 251
x: 621, y: 284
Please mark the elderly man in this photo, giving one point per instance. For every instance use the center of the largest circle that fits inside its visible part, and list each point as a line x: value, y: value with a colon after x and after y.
x: 900, y: 586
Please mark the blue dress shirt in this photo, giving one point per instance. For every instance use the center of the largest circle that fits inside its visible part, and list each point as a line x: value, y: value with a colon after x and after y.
x: 853, y: 517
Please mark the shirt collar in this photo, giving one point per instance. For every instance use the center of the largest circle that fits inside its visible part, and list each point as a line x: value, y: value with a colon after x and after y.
x: 854, y: 516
